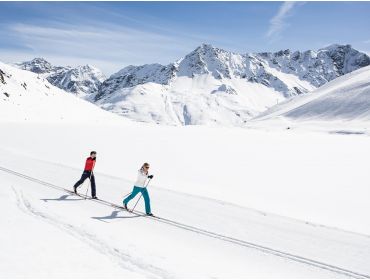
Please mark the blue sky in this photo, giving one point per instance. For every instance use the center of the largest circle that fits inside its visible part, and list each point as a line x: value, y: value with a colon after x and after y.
x: 112, y: 35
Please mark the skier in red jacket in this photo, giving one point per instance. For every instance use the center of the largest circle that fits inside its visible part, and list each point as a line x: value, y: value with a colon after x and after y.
x: 88, y: 173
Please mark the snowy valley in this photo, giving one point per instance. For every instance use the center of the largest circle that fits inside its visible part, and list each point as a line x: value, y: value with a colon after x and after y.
x: 249, y: 197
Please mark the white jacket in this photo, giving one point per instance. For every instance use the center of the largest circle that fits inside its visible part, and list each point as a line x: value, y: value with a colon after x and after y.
x: 141, y: 179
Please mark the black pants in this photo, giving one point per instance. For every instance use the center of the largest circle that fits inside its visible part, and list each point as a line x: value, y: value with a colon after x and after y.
x: 84, y: 176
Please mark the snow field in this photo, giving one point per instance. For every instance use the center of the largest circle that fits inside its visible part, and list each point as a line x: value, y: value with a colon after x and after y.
x: 119, y: 244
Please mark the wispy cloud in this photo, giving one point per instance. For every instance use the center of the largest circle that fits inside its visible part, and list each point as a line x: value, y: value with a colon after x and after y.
x: 278, y: 22
x: 116, y: 46
x: 112, y: 45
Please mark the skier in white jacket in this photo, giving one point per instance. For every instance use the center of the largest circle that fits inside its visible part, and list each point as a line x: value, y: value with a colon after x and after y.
x: 140, y: 187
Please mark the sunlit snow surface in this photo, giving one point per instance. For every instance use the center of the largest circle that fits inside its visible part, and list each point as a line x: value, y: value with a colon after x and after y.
x: 297, y: 191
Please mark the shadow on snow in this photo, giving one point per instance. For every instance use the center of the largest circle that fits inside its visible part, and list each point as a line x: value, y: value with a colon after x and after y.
x: 61, y: 198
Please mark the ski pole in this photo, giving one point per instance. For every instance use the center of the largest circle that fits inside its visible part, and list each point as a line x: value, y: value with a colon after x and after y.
x: 127, y: 195
x: 140, y: 197
x: 132, y: 210
x: 87, y: 189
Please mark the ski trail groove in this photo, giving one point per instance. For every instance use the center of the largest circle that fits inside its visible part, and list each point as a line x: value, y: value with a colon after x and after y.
x: 215, y: 235
x: 122, y: 259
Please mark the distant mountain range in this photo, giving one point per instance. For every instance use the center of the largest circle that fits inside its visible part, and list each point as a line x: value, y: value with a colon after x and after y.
x: 83, y: 81
x: 25, y: 96
x: 207, y: 86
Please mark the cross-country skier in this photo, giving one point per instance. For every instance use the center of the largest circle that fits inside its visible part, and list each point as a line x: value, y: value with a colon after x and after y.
x: 88, y: 173
x: 140, y: 187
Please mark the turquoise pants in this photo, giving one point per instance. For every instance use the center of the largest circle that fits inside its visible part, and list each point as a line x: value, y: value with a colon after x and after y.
x: 145, y: 194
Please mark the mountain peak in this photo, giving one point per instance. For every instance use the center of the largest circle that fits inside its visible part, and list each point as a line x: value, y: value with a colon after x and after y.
x: 283, y: 52
x: 205, y: 49
x: 89, y: 66
x: 81, y: 80
x: 205, y: 46
x: 39, y: 60
x: 335, y: 47
x: 37, y: 65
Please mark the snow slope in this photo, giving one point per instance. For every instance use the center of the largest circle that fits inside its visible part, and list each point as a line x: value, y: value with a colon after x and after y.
x: 201, y: 100
x: 345, y: 99
x: 26, y: 96
x: 213, y: 86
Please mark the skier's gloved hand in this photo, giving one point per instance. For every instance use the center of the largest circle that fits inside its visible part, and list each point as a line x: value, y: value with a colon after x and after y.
x: 150, y: 176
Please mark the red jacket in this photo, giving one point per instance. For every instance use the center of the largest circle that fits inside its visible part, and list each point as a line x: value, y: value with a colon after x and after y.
x: 90, y: 162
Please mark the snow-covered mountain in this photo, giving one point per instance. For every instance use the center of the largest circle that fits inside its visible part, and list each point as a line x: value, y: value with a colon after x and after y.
x: 346, y: 98
x: 207, y: 86
x: 28, y: 96
x: 82, y: 81
x: 211, y: 85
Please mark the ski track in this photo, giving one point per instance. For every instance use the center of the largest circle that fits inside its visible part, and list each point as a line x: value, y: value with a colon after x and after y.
x: 116, y: 253
x: 122, y: 259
